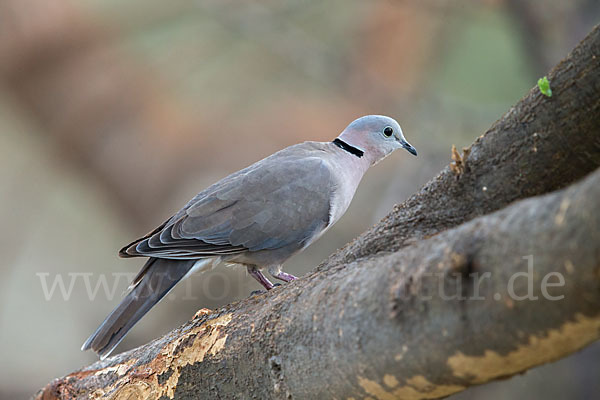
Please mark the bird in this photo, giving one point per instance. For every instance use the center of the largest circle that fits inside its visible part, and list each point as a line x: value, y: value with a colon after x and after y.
x: 257, y: 218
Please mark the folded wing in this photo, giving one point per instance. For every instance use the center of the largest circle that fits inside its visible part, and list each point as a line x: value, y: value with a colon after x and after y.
x: 281, y: 200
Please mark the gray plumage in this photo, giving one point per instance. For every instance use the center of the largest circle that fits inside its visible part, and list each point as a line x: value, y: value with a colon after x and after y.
x: 257, y: 217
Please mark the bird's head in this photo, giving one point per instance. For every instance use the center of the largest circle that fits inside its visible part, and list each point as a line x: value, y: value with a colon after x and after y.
x: 377, y: 136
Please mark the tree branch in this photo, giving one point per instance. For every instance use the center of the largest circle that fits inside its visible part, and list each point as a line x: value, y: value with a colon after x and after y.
x: 438, y: 316
x: 359, y: 330
x: 540, y: 145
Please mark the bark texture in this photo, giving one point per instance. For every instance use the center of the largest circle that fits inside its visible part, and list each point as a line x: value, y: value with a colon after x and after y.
x: 432, y: 320
x: 541, y: 144
x: 442, y: 314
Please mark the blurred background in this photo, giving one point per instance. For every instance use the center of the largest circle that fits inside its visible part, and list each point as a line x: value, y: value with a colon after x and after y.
x: 114, y: 113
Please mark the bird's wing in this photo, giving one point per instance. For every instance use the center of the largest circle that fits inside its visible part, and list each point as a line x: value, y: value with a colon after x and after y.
x: 278, y: 201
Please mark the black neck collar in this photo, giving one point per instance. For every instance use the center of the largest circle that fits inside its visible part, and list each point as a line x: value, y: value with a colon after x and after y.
x: 346, y: 147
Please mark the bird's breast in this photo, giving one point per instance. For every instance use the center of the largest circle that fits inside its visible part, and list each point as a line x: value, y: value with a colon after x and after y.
x: 346, y: 180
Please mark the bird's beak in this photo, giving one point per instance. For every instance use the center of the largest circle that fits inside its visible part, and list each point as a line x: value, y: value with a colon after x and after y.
x: 406, y: 146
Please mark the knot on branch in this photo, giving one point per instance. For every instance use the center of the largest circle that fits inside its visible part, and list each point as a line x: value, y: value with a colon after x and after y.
x: 458, y: 166
x: 277, y: 378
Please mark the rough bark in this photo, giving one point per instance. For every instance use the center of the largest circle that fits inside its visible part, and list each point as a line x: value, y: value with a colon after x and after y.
x: 541, y: 144
x: 359, y: 330
x: 355, y: 328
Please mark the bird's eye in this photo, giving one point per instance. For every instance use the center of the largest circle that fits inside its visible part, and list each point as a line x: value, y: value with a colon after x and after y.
x: 388, y: 131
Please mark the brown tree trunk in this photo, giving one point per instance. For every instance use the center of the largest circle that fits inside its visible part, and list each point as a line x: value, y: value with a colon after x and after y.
x: 541, y: 144
x: 434, y: 319
x: 446, y: 312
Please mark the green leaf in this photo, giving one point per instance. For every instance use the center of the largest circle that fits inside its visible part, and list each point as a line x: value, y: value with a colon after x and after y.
x: 544, y: 86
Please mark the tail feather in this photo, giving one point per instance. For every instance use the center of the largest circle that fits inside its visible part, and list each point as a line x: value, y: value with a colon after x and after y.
x: 157, y: 278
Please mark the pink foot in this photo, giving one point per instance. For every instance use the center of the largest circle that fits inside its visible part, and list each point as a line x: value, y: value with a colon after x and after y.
x: 284, y: 276
x: 256, y: 274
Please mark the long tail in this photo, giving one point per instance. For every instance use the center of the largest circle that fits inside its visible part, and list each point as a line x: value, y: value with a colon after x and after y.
x: 156, y: 279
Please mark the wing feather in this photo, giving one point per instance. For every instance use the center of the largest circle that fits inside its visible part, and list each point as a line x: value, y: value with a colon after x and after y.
x: 281, y: 200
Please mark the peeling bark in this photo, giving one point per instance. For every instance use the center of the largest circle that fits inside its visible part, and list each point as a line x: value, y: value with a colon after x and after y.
x: 432, y: 318
x: 357, y: 331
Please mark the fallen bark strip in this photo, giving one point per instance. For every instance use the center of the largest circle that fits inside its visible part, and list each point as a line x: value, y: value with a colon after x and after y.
x: 380, y: 327
x: 540, y: 145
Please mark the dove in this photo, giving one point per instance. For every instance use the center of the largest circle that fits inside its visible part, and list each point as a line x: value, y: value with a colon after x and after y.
x: 257, y: 218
